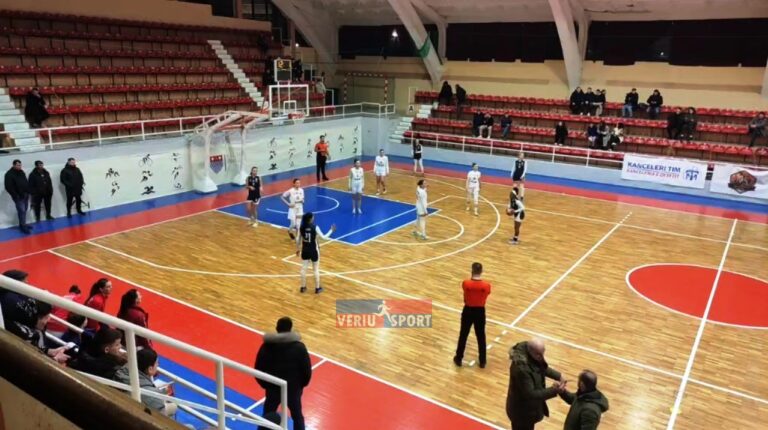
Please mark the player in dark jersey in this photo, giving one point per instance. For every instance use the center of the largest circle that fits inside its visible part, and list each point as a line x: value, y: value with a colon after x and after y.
x: 309, y: 250
x: 254, y: 187
x: 416, y: 151
x: 516, y: 209
x: 518, y: 174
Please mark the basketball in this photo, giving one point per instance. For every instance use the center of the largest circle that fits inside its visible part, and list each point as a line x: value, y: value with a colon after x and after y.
x: 510, y: 211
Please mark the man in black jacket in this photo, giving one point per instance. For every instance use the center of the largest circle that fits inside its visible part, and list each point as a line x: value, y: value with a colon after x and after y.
x: 588, y: 101
x: 631, y: 101
x: 17, y: 186
x: 655, y: 101
x: 284, y: 356
x: 72, y: 179
x: 41, y: 189
x: 674, y: 124
x: 461, y: 100
x: 576, y: 100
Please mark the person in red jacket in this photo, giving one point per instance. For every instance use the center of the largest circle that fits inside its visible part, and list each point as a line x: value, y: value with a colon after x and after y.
x: 131, y: 311
x: 56, y: 328
x: 97, y: 299
x: 476, y: 292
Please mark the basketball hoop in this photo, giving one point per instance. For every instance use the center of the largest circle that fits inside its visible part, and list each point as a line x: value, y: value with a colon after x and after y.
x: 297, y: 117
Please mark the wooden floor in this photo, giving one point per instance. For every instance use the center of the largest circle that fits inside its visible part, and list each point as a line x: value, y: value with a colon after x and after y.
x: 565, y: 282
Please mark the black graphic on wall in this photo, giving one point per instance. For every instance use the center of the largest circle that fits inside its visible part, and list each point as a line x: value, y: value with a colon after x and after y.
x: 291, y: 152
x: 115, y: 184
x: 273, y: 142
x: 148, y: 190
x: 310, y: 149
x: 273, y: 166
x: 145, y: 175
x: 272, y: 154
x: 340, y: 142
x: 115, y: 188
x: 112, y: 173
x: 146, y: 161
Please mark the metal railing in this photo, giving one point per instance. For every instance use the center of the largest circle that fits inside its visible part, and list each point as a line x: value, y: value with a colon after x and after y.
x: 132, y: 330
x: 99, y: 134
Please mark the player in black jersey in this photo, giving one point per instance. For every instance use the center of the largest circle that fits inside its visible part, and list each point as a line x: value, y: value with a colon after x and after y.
x: 516, y: 209
x: 416, y: 151
x: 518, y: 174
x: 253, y: 184
x: 309, y: 250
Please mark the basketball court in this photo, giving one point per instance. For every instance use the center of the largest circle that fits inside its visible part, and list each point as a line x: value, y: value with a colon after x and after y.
x: 615, y: 283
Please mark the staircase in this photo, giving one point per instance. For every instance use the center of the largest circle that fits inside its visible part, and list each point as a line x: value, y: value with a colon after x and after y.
x: 12, y: 121
x: 400, y: 129
x: 237, y: 72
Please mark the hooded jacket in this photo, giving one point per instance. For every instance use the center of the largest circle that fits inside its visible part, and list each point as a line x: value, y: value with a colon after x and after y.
x: 283, y: 355
x: 527, y: 395
x: 585, y: 411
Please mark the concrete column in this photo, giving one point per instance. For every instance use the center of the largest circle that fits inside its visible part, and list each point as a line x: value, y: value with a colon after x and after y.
x: 566, y: 30
x: 408, y: 16
x: 765, y: 82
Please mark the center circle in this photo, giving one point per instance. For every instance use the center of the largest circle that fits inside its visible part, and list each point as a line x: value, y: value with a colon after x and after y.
x: 740, y: 300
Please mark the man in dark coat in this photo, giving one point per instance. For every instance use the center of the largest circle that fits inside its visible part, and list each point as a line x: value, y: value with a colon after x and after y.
x: 72, y: 179
x: 631, y: 100
x: 527, y: 395
x: 576, y: 100
x: 17, y: 186
x: 461, y: 100
x: 587, y: 404
x: 446, y: 94
x: 284, y: 356
x: 35, y: 110
x: 41, y: 189
x: 655, y: 101
x: 674, y: 123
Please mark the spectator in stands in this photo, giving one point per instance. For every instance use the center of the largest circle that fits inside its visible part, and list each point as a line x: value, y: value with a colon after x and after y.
x: 576, y: 100
x: 616, y: 137
x: 592, y: 135
x: 97, y: 299
x: 41, y: 189
x: 588, y: 104
x: 477, y: 121
x: 461, y: 100
x: 72, y: 335
x: 446, y: 94
x: 631, y: 101
x: 602, y: 135
x: 655, y: 101
x: 35, y: 111
x: 561, y: 133
x: 506, y: 125
x: 757, y: 127
x: 17, y: 186
x: 101, y: 356
x: 487, y: 125
x: 56, y: 328
x: 148, y: 365
x: 599, y: 102
x: 688, y: 126
x: 133, y: 313
x: 587, y: 404
x: 320, y: 87
x: 72, y: 179
x: 674, y: 124
x: 283, y: 355
x: 527, y: 394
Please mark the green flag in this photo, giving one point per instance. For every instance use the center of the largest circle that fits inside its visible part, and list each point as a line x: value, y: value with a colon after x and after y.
x: 424, y: 50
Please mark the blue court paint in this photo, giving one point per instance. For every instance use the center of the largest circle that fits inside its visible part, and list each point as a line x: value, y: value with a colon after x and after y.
x: 380, y: 216
x: 184, y: 393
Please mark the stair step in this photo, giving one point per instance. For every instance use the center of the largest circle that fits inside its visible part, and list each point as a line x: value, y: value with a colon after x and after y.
x: 395, y: 141
x: 422, y: 115
x: 14, y: 126
x: 27, y: 141
x: 4, y: 98
x: 11, y: 118
x: 6, y: 106
x: 24, y: 134
x: 408, y: 119
x: 2, y: 90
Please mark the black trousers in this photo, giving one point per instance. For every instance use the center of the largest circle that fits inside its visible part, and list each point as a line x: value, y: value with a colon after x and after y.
x: 523, y: 426
x: 321, y: 167
x: 294, y: 405
x: 673, y: 132
x: 41, y: 200
x: 472, y: 316
x: 76, y: 198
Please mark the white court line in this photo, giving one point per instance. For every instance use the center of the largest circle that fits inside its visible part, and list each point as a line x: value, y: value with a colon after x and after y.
x: 314, y: 212
x: 255, y: 405
x: 568, y: 272
x: 253, y: 330
x: 434, y: 242
x: 699, y: 334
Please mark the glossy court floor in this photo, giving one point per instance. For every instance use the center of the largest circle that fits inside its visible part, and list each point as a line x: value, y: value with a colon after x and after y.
x: 618, y: 288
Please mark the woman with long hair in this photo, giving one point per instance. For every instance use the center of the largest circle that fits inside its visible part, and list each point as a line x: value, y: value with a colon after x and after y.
x: 254, y: 187
x: 309, y: 250
x: 97, y: 299
x: 381, y: 171
x: 131, y: 311
x: 516, y: 209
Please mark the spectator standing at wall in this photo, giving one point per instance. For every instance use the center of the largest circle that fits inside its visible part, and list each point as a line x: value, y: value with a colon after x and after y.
x: 631, y: 101
x: 487, y: 125
x: 655, y: 101
x: 561, y: 133
x: 35, y: 110
x: 577, y: 98
x: 688, y: 127
x: 757, y: 128
x: 56, y: 328
x: 148, y: 365
x: 674, y: 124
x: 284, y: 356
x: 41, y: 189
x: 17, y: 186
x: 461, y: 100
x: 587, y: 404
x: 97, y: 299
x: 506, y: 125
x: 72, y: 179
x: 599, y: 103
x: 588, y: 103
x: 446, y: 94
x: 131, y: 311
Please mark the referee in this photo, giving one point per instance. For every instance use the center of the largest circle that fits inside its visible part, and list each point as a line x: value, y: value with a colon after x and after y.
x: 321, y: 148
x: 476, y: 292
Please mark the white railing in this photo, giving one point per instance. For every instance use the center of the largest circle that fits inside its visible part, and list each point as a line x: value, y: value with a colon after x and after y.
x: 132, y: 330
x: 144, y: 129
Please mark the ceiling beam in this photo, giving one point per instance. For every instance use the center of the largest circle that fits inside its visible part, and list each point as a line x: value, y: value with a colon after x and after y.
x: 410, y: 18
x: 316, y: 26
x: 583, y: 20
x: 442, y: 25
x: 764, y: 92
x: 561, y: 11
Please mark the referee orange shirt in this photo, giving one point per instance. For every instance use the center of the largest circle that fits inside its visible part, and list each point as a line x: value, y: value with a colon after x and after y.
x: 476, y: 291
x: 322, y: 149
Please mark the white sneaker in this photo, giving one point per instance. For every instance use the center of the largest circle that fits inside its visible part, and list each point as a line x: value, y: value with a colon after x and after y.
x: 354, y: 211
x: 377, y: 193
x: 255, y: 224
x: 360, y: 211
x: 467, y: 209
x: 384, y: 192
x: 476, y: 214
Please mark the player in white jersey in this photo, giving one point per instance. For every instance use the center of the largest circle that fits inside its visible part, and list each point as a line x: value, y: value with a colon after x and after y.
x: 294, y: 199
x: 421, y: 210
x: 381, y: 171
x: 473, y: 186
x: 356, y: 185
